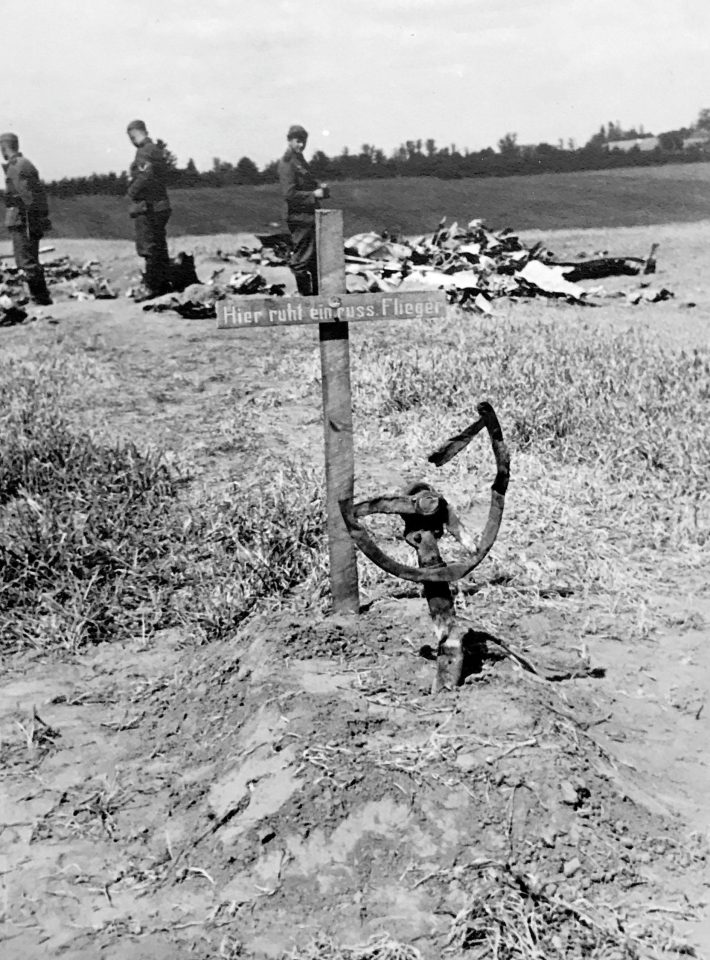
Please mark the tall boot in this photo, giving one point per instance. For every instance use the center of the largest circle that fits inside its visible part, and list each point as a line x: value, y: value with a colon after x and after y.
x: 154, y: 279
x: 149, y: 281
x: 162, y: 271
x: 39, y: 293
x: 304, y: 284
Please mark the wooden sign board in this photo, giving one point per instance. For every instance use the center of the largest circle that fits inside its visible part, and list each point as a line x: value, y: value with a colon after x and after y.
x: 287, y: 311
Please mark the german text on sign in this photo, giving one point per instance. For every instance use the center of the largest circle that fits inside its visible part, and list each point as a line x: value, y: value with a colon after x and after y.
x: 271, y: 312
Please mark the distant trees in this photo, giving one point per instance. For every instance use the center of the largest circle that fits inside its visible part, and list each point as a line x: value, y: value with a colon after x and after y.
x: 508, y: 145
x: 109, y: 184
x: 614, y: 132
x: 190, y: 176
x: 247, y: 171
x: 423, y: 158
x: 672, y: 140
x: 171, y: 162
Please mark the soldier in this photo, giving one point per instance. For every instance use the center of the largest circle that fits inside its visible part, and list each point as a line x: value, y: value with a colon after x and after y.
x: 27, y: 215
x: 302, y: 194
x: 150, y: 210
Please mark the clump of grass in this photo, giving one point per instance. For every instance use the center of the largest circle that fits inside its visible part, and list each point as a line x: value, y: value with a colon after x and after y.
x: 505, y: 918
x: 264, y: 543
x: 95, y: 541
x: 85, y: 542
x: 381, y: 947
x: 39, y: 736
x: 89, y: 810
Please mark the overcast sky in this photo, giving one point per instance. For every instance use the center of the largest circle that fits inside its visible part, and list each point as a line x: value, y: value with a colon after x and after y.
x: 226, y: 77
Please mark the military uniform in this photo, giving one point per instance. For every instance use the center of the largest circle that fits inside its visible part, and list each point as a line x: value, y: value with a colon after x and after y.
x: 297, y: 185
x: 27, y: 219
x: 150, y: 210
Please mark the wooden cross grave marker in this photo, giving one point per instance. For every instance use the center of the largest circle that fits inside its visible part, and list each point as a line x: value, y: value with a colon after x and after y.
x: 332, y: 311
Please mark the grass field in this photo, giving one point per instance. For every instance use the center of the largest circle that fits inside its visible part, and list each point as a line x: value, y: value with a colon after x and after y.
x: 627, y: 197
x: 198, y: 763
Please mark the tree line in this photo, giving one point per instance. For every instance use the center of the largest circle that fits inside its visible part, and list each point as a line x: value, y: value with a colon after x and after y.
x: 424, y: 158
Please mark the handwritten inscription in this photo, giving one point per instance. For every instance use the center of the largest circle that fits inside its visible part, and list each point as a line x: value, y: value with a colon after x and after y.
x: 256, y: 312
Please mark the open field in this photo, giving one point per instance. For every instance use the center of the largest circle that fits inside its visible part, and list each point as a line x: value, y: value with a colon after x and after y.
x: 614, y: 198
x: 199, y: 763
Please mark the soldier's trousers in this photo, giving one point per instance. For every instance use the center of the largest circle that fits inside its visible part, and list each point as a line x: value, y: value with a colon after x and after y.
x: 152, y: 245
x: 25, y: 247
x: 304, y: 260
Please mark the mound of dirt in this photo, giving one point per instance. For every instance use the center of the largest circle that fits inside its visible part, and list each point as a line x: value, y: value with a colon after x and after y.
x: 301, y: 786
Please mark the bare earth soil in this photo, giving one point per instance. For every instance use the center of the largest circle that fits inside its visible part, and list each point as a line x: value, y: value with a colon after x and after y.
x: 299, y: 781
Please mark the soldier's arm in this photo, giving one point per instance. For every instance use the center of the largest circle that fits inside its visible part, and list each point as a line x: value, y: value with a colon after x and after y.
x: 146, y: 173
x: 301, y: 199
x: 139, y: 183
x: 26, y: 181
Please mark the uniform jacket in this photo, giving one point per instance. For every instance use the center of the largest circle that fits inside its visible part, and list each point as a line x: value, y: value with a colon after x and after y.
x: 25, y: 196
x: 297, y: 185
x: 147, y: 190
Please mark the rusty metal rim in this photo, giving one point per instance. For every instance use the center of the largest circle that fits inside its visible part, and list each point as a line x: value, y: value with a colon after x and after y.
x: 410, y: 505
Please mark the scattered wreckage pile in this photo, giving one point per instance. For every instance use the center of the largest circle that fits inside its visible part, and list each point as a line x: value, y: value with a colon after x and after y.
x: 476, y: 265
x: 473, y: 264
x: 67, y: 279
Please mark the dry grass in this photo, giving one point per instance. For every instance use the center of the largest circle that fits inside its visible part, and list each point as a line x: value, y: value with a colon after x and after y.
x: 618, y: 402
x: 614, y: 401
x: 83, y: 531
x: 610, y: 438
x: 611, y: 446
x: 266, y: 542
x: 381, y: 947
x: 96, y: 542
x: 88, y: 811
x: 509, y: 917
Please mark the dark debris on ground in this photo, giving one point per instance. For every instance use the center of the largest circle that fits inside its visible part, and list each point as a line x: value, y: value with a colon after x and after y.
x: 475, y: 265
x: 67, y: 279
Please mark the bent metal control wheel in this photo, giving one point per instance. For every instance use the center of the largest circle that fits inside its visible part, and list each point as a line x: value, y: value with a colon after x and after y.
x: 427, y: 515
x: 422, y: 507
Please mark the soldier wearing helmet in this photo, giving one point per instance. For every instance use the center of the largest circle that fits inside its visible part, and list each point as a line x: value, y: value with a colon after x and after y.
x: 26, y: 215
x: 302, y: 194
x: 149, y: 208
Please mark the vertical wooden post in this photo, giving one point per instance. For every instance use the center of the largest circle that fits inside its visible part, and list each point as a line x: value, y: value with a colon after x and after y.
x: 337, y: 414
